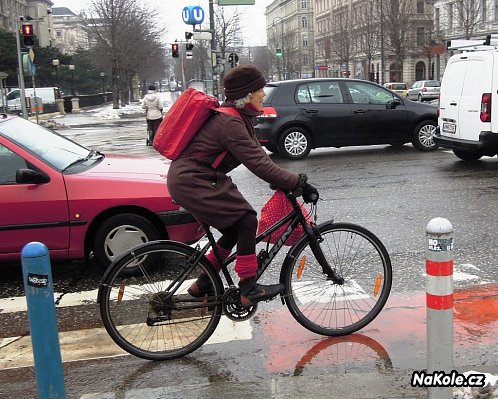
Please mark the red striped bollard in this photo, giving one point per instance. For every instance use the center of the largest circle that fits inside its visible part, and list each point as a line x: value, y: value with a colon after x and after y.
x: 439, y: 296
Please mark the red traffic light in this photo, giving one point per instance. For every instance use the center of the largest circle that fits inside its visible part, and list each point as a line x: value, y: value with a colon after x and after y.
x: 175, y: 50
x: 27, y: 30
x: 27, y: 35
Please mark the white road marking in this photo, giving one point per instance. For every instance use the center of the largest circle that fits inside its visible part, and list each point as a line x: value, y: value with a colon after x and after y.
x: 95, y: 343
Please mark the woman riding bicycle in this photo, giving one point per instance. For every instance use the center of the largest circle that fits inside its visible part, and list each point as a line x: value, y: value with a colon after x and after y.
x: 211, y: 196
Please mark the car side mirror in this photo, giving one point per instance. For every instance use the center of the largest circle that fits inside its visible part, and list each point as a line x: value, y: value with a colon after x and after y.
x: 394, y: 103
x: 30, y: 176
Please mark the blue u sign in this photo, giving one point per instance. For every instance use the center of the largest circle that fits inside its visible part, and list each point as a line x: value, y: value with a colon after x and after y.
x: 193, y: 15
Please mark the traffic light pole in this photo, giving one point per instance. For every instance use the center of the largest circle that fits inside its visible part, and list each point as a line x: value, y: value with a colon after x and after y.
x: 21, y: 72
x: 214, y: 45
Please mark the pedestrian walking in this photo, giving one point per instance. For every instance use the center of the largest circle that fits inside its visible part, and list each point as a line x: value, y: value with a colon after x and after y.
x: 153, y: 112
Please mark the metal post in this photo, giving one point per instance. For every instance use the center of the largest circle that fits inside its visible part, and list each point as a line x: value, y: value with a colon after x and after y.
x: 381, y: 43
x: 21, y: 74
x: 39, y: 291
x: 214, y: 47
x: 439, y: 297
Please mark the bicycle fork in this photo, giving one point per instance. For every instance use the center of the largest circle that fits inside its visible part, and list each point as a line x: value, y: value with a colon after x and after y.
x: 315, y: 240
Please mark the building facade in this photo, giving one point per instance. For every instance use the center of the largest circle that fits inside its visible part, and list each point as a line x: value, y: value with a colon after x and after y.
x: 290, y: 37
x: 69, y: 31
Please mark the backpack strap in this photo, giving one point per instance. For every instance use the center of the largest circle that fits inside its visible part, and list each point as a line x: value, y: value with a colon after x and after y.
x: 230, y: 111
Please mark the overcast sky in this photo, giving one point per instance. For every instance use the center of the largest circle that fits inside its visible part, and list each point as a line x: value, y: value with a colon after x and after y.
x: 252, y: 17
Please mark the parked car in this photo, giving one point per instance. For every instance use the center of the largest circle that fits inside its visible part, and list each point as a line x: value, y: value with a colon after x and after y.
x: 400, y: 89
x: 299, y: 115
x: 467, y: 108
x: 424, y: 90
x: 79, y: 201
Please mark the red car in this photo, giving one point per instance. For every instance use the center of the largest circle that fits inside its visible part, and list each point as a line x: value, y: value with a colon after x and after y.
x: 77, y: 201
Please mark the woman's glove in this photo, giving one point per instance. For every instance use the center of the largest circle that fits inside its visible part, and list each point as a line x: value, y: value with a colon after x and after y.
x: 310, y: 193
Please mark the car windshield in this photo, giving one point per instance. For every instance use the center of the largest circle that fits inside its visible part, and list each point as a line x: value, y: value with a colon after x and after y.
x: 49, y: 146
x: 398, y: 86
x: 432, y: 83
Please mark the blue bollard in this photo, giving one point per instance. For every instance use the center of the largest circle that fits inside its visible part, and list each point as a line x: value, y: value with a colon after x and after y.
x: 37, y: 276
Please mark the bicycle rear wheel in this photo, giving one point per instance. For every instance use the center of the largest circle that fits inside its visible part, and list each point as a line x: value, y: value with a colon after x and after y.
x: 151, y: 315
x: 324, y: 307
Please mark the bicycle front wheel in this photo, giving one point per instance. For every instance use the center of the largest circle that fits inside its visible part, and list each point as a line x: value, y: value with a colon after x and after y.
x: 151, y: 315
x: 327, y: 308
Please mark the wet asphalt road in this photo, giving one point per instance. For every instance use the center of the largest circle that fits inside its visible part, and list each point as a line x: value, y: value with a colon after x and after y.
x: 393, y: 192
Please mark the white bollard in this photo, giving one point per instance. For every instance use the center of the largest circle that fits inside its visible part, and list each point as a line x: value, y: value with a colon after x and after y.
x: 439, y: 297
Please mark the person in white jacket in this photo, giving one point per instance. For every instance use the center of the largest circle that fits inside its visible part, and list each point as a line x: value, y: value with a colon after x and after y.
x: 153, y: 112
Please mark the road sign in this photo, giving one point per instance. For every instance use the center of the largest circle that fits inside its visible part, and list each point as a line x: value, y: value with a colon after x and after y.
x: 233, y: 59
x: 193, y: 15
x: 203, y: 36
x: 236, y: 2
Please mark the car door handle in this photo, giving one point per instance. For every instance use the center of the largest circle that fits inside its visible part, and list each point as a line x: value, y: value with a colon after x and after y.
x: 453, y: 103
x: 359, y: 111
x: 311, y: 111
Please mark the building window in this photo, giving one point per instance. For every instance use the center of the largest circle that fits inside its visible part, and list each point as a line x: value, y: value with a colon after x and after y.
x: 58, y: 34
x: 496, y: 10
x: 306, y: 59
x: 304, y: 4
x: 305, y: 41
x: 437, y: 22
x: 420, y: 36
x: 420, y: 7
x: 304, y: 22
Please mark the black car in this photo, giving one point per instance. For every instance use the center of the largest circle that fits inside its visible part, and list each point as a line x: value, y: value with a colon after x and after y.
x: 299, y: 115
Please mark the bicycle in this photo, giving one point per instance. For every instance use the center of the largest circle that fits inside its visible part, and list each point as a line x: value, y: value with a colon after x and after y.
x: 337, y: 279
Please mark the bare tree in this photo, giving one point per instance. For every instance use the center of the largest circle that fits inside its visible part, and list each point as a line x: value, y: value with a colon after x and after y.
x: 367, y: 19
x: 123, y: 40
x: 341, y: 36
x: 469, y: 13
x: 398, y: 19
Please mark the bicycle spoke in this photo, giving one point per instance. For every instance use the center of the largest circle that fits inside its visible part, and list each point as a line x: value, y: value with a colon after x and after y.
x: 357, y: 256
x: 151, y: 314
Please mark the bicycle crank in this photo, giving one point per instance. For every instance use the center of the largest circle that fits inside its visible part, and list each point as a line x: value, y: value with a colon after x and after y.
x: 233, y: 309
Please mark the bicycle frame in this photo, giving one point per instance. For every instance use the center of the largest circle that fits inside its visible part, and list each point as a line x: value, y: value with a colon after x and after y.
x: 295, y: 217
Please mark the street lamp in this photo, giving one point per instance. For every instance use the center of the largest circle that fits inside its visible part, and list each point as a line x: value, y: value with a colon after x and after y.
x: 282, y: 50
x: 55, y: 63
x: 71, y: 68
x: 102, y: 76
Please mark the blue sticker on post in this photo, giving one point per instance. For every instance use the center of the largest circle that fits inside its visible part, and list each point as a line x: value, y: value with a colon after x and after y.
x: 37, y: 280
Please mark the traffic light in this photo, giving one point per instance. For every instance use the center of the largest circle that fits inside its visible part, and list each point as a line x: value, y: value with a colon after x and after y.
x: 278, y: 52
x: 233, y: 59
x: 175, y: 50
x: 189, y: 46
x: 188, y: 35
x: 27, y: 35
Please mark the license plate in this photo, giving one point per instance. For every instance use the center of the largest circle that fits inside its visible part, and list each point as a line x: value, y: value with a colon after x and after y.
x: 449, y: 128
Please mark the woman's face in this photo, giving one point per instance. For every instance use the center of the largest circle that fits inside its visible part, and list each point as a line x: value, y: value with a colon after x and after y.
x: 257, y: 99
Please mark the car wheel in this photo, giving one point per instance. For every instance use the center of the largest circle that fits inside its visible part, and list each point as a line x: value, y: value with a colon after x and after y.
x: 467, y: 155
x: 420, y: 99
x: 423, y: 136
x: 294, y: 143
x: 118, y: 234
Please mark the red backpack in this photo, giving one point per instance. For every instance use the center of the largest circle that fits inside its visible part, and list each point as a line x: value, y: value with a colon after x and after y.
x: 184, y: 119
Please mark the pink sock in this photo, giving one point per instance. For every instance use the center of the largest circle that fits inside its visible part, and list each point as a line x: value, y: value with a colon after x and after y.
x: 246, y: 266
x: 214, y: 261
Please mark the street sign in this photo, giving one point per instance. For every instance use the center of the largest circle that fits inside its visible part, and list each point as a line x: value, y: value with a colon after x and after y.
x: 236, y: 2
x: 233, y: 59
x: 193, y: 15
x: 202, y: 36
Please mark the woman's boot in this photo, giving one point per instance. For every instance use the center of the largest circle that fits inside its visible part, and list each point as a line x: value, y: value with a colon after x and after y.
x: 252, y: 293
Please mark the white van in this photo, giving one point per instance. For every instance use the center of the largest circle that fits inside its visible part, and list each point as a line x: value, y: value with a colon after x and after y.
x: 47, y: 94
x: 468, y: 104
